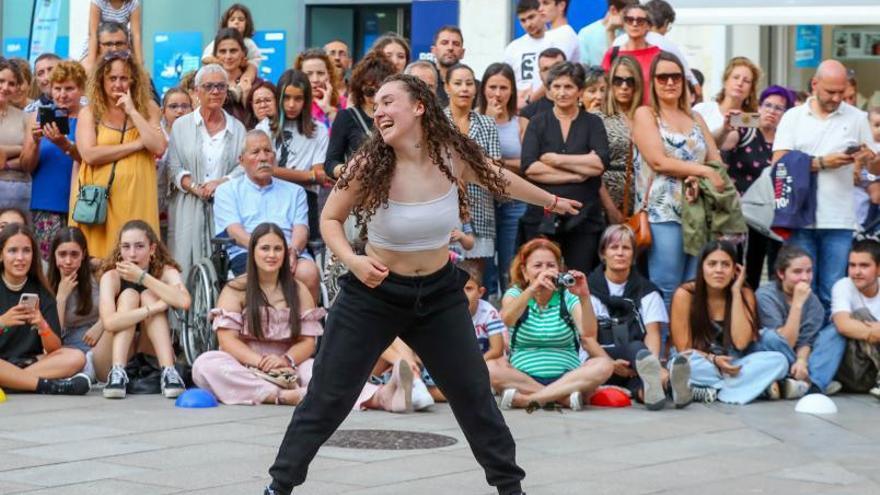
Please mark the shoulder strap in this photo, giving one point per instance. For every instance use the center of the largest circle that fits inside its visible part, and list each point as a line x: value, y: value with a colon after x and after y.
x: 113, y: 168
x: 627, y: 180
x: 565, y: 314
x: 360, y: 120
x: 614, y: 52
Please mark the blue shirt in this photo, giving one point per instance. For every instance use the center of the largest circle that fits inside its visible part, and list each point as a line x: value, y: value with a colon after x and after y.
x: 593, y: 40
x: 243, y: 202
x: 51, y: 179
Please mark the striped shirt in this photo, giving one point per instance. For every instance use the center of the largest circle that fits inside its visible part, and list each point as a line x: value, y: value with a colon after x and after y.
x: 545, y: 345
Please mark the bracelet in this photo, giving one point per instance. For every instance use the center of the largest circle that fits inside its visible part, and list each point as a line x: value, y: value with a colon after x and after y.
x: 312, y: 176
x: 712, y: 358
x: 552, y: 206
x: 290, y: 360
x: 140, y: 280
x: 821, y: 163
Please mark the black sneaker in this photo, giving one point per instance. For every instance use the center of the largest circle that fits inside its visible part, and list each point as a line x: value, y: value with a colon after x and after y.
x: 78, y: 384
x: 172, y: 383
x: 117, y: 379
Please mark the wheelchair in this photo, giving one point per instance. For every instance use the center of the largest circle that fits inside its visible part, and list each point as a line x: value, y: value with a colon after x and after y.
x: 205, y: 281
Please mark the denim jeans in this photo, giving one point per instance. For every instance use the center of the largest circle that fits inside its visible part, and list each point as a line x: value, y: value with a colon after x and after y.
x: 825, y: 355
x: 757, y: 371
x: 668, y: 264
x: 829, y: 249
x: 507, y: 217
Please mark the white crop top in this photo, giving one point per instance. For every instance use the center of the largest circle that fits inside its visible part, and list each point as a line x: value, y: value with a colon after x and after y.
x: 415, y: 226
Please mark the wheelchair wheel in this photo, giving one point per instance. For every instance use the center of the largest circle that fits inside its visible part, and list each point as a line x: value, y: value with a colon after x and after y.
x: 198, y: 337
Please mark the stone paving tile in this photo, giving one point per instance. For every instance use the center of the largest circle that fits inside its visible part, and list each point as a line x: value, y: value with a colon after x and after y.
x: 821, y: 472
x: 192, y: 455
x: 68, y: 473
x: 92, y: 449
x: 71, y: 432
x: 104, y: 487
x: 199, y: 434
x: 8, y: 488
x: 394, y: 471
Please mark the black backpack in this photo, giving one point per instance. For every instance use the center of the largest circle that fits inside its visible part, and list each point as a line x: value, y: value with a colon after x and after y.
x: 564, y: 314
x: 624, y: 323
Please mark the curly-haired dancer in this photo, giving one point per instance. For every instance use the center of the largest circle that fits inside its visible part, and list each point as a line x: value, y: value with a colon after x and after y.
x: 404, y: 185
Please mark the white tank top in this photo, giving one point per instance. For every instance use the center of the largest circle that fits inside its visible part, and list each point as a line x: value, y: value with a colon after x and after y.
x: 422, y: 226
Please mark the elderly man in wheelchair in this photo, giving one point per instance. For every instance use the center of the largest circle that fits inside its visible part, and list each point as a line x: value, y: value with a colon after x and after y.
x: 239, y: 206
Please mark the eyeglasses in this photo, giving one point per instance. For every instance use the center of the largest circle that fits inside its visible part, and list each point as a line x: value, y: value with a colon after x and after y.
x: 675, y: 77
x: 635, y: 21
x: 211, y: 87
x: 179, y: 106
x: 117, y: 55
x: 621, y: 81
x: 114, y: 44
x: 772, y: 107
x: 369, y: 91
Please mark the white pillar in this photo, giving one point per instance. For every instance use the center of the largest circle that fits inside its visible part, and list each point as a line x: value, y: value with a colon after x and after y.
x: 79, y: 27
x: 485, y: 26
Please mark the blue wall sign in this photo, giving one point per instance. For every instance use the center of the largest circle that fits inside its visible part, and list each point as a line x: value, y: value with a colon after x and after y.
x: 808, y: 47
x: 174, y: 54
x: 273, y: 47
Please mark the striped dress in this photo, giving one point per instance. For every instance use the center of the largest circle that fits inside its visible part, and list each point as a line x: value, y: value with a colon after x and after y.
x: 545, y: 345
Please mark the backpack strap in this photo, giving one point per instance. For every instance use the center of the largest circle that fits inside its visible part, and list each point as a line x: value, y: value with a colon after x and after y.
x: 565, y: 314
x: 615, y: 51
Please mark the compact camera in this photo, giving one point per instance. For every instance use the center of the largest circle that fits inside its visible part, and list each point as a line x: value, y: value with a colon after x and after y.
x: 565, y: 280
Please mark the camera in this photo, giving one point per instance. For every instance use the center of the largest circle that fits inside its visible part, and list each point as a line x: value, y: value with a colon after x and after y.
x: 565, y: 280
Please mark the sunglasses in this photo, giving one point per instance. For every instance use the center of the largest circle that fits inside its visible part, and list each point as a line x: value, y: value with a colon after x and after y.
x: 369, y: 91
x: 675, y: 77
x: 623, y: 81
x: 635, y: 21
x: 211, y: 87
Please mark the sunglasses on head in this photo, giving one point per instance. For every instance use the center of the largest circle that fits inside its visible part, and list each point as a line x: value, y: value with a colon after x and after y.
x: 635, y: 21
x: 675, y: 77
x: 623, y: 81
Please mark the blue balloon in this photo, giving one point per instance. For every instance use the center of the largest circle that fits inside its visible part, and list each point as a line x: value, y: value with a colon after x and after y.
x: 196, y: 398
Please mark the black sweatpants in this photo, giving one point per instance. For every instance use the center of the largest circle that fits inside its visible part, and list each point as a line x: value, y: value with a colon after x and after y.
x: 431, y: 314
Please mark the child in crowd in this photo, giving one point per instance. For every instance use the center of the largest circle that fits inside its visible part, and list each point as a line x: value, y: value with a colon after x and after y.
x: 300, y: 142
x: 238, y: 17
x: 126, y: 13
x: 76, y: 294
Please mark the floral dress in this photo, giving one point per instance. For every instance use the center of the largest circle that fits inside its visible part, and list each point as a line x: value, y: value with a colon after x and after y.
x: 664, y: 202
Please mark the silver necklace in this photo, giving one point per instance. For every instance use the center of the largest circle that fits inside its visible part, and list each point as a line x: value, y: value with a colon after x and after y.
x: 13, y: 287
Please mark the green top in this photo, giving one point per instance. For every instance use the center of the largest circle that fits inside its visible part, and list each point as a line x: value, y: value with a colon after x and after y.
x: 544, y: 343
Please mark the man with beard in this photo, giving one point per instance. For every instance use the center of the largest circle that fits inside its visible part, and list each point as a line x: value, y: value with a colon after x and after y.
x: 448, y: 50
x: 837, y: 136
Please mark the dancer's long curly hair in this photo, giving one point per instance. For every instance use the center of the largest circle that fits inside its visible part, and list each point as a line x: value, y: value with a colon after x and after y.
x: 373, y: 163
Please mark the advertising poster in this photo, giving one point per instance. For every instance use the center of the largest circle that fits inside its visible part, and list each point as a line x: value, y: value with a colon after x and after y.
x: 273, y: 47
x: 174, y: 54
x: 44, y: 28
x: 808, y: 47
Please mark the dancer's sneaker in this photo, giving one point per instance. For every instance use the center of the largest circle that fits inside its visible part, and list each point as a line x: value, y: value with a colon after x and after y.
x: 117, y: 379
x: 648, y: 368
x: 679, y: 380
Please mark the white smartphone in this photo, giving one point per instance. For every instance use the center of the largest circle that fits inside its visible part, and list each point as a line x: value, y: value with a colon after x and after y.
x: 30, y: 300
x: 745, y: 120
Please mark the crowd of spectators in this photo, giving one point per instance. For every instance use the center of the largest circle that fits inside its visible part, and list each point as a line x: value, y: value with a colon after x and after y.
x: 675, y: 289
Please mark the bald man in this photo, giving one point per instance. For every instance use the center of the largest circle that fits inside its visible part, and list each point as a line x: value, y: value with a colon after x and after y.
x: 836, y: 135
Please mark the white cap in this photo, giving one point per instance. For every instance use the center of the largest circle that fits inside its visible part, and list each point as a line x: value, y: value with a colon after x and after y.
x: 816, y: 404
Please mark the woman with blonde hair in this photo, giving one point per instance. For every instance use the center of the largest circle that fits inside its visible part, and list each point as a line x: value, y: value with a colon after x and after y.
x: 617, y: 113
x: 119, y: 136
x: 739, y: 94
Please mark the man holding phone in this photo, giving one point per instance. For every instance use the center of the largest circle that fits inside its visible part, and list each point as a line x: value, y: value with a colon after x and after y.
x: 836, y: 135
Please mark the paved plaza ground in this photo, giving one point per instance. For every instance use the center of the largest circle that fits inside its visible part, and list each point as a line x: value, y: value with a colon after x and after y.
x: 143, y: 445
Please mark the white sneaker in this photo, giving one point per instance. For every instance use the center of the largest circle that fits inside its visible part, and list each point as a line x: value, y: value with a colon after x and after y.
x: 575, y: 401
x: 648, y: 368
x: 679, y: 382
x: 833, y: 387
x: 421, y: 398
x: 89, y: 368
x: 794, y: 389
x: 507, y: 398
x: 875, y: 392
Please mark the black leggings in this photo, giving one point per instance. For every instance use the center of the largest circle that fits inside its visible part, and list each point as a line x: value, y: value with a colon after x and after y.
x: 431, y: 315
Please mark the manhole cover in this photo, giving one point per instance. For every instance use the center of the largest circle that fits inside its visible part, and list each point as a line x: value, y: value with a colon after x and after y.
x: 388, y: 440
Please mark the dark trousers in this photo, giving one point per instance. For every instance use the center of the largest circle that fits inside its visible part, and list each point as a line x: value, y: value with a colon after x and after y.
x: 431, y: 315
x: 580, y: 249
x: 627, y: 352
x: 759, y: 248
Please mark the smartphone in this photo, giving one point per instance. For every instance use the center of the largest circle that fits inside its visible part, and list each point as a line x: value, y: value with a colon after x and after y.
x: 30, y: 300
x: 852, y: 150
x: 746, y: 119
x: 57, y: 115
